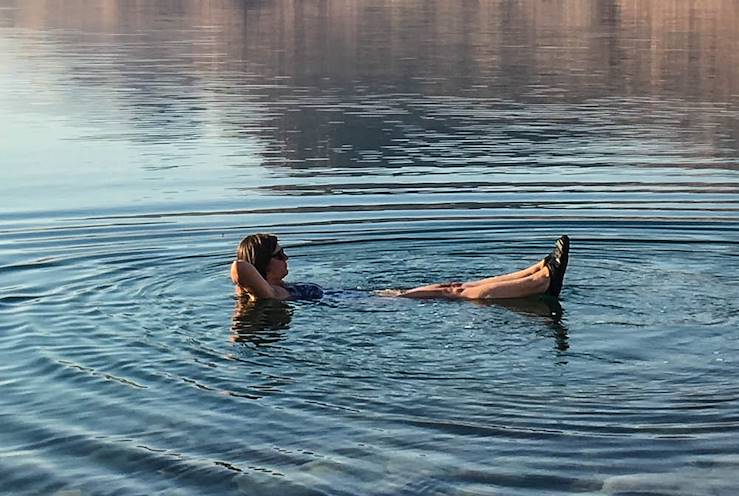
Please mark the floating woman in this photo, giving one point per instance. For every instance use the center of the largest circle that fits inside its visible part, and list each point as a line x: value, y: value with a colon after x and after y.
x: 261, y: 266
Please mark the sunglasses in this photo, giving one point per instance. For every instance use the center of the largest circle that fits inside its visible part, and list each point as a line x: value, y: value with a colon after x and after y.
x: 280, y: 254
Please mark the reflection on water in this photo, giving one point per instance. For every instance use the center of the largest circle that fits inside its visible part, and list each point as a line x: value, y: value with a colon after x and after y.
x: 547, y: 309
x: 387, y: 144
x: 312, y: 85
x: 227, y: 105
x: 260, y: 322
x: 578, y: 47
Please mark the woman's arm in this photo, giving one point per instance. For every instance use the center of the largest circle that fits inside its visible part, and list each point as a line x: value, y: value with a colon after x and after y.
x: 246, y: 276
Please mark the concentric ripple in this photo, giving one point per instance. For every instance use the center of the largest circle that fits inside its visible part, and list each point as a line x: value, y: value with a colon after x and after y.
x: 166, y: 376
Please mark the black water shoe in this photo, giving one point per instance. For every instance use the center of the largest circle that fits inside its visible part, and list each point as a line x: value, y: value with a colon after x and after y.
x: 557, y: 264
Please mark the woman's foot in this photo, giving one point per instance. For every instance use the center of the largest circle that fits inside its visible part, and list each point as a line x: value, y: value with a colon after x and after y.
x: 556, y: 262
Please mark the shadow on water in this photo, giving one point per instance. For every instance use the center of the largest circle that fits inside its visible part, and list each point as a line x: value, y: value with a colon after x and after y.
x: 260, y: 322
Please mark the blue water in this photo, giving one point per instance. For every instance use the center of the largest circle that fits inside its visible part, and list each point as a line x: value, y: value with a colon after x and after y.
x: 388, y: 144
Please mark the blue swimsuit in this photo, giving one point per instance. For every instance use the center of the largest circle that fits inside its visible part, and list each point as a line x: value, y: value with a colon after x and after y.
x: 304, y: 291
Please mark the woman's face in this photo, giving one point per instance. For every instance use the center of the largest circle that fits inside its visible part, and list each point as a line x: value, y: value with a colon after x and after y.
x: 277, y: 266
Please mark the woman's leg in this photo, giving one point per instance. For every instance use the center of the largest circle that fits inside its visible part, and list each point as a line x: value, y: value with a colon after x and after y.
x: 545, y: 276
x: 530, y: 285
x: 531, y: 281
x: 503, y: 277
x: 509, y: 277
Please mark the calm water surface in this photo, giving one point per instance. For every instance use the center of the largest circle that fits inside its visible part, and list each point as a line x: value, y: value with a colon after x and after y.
x: 388, y: 144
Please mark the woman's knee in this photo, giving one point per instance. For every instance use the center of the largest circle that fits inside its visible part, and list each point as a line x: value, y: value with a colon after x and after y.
x: 471, y: 292
x: 453, y: 291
